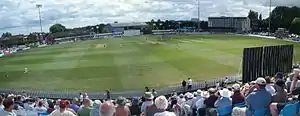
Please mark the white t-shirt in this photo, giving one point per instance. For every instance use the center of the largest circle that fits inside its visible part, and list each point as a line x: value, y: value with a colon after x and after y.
x: 81, y: 98
x: 190, y: 82
x: 226, y: 81
x: 165, y: 113
x: 217, y: 85
x: 270, y: 89
x: 64, y: 113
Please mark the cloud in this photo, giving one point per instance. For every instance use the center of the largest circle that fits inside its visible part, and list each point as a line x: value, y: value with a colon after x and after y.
x: 21, y: 16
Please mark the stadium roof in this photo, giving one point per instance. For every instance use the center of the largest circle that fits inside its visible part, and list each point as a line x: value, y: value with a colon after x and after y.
x: 128, y: 24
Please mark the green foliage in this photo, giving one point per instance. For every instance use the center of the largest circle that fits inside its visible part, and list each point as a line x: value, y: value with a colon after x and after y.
x: 282, y: 17
x: 253, y: 15
x: 57, y: 28
x: 7, y: 34
x: 260, y: 17
x: 295, y: 26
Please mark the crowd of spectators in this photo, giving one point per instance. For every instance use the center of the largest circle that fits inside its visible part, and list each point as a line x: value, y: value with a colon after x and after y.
x: 264, y: 96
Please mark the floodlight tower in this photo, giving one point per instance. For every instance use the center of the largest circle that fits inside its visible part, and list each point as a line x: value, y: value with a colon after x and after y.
x: 39, y: 6
x: 270, y: 16
x: 198, y: 7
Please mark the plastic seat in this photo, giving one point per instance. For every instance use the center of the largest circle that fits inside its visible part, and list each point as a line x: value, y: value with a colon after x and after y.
x: 224, y: 111
x: 290, y: 110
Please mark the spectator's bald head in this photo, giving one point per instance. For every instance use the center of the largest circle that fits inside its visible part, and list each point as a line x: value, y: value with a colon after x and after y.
x: 87, y: 102
x: 107, y: 109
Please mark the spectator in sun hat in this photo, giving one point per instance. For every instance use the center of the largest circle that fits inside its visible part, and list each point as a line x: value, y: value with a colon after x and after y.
x: 95, y: 110
x: 122, y: 109
x: 200, y: 107
x: 57, y: 103
x: 281, y: 95
x: 180, y: 99
x: 259, y: 99
x: 269, y: 87
x: 162, y: 104
x: 62, y: 111
x: 189, y: 96
x: 148, y: 100
x: 197, y: 96
x: 224, y: 99
x: 107, y: 109
x: 237, y: 96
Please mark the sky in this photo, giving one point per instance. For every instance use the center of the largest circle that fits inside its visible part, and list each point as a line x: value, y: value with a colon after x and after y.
x: 22, y: 17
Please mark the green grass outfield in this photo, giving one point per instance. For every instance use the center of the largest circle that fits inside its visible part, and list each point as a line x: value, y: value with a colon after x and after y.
x: 88, y: 66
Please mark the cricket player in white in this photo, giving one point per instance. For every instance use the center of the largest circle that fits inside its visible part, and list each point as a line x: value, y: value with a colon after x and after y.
x: 25, y: 70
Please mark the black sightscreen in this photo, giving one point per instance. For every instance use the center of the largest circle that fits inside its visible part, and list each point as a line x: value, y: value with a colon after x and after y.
x: 266, y: 61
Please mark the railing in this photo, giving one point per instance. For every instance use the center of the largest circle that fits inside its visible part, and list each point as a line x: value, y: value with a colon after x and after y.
x: 129, y: 94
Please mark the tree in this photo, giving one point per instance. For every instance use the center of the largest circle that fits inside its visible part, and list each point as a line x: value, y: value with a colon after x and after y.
x: 57, y: 28
x: 295, y: 26
x: 282, y: 17
x: 7, y: 34
x: 151, y: 24
x: 260, y: 17
x: 253, y: 16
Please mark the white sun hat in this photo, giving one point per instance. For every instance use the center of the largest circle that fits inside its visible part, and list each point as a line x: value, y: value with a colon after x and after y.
x: 205, y: 94
x: 189, y: 95
x: 225, y: 93
x: 236, y: 86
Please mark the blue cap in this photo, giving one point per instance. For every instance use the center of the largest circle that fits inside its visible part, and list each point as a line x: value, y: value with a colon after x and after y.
x: 279, y: 75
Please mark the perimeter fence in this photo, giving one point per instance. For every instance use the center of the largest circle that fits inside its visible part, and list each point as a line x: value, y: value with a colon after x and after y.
x: 128, y: 94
